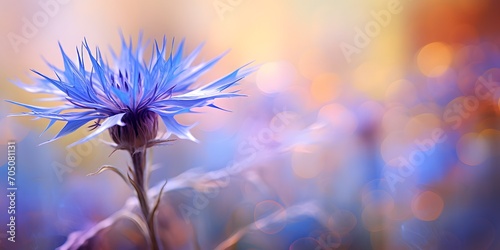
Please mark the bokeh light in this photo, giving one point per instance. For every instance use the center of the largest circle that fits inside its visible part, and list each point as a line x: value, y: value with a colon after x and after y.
x: 267, y: 208
x: 325, y: 87
x: 472, y: 149
x: 427, y: 206
x: 275, y: 76
x: 434, y: 59
x: 339, y: 118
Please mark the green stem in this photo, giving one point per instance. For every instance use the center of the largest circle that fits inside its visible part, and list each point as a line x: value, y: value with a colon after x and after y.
x: 139, y: 161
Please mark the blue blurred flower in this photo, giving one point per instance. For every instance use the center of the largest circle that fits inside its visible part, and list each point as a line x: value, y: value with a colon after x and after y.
x: 130, y: 95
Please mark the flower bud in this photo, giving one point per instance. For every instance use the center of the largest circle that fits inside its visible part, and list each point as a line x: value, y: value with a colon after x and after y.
x: 140, y: 128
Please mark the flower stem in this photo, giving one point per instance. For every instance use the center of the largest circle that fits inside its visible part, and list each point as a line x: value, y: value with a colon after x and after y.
x: 139, y: 161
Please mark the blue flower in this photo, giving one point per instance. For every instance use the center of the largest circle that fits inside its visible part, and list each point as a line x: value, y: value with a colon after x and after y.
x: 129, y: 96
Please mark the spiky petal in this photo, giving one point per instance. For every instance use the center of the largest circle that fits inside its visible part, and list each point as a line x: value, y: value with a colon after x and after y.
x: 129, y: 89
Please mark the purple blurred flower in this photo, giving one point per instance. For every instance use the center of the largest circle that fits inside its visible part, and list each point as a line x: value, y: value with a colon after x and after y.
x: 130, y: 95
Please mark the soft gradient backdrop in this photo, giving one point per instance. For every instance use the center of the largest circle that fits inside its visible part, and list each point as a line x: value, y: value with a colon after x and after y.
x: 370, y: 124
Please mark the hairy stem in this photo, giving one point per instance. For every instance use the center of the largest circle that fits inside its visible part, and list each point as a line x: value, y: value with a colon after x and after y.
x: 139, y: 161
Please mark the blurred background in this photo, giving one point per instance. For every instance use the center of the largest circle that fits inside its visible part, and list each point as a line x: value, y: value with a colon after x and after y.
x: 369, y: 125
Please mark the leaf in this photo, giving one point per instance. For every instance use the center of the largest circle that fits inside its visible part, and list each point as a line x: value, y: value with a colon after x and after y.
x: 111, y: 168
x: 158, y: 198
x: 140, y: 196
x: 159, y: 142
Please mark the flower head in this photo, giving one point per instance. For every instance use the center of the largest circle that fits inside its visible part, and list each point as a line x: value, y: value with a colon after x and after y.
x: 130, y: 96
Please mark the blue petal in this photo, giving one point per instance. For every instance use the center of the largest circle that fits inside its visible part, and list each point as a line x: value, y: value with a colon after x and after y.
x: 185, y: 80
x: 108, y: 123
x: 39, y: 109
x: 52, y: 121
x: 227, y: 80
x: 94, y: 93
x: 173, y: 127
x: 70, y: 127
